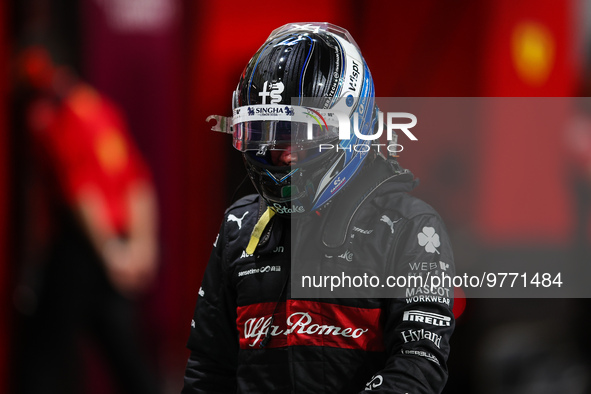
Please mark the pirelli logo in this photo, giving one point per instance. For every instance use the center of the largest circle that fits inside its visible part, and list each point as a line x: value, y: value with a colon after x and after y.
x: 427, y: 318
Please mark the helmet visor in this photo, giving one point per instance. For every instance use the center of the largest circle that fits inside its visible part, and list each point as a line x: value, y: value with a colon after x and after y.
x: 276, y: 127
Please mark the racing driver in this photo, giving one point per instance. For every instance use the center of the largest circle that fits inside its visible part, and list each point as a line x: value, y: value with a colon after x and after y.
x: 318, y: 211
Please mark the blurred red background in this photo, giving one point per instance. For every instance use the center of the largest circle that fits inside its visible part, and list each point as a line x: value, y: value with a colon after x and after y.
x: 170, y: 64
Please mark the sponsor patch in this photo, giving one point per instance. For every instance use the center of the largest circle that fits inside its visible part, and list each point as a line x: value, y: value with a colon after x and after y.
x: 309, y: 323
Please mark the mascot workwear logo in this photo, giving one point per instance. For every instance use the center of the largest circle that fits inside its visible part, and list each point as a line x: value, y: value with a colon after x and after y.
x: 309, y: 323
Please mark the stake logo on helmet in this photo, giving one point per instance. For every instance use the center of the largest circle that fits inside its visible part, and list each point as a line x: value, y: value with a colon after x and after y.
x: 291, y: 90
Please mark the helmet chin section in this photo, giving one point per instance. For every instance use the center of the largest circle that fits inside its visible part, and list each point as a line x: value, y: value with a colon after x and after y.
x: 289, y: 190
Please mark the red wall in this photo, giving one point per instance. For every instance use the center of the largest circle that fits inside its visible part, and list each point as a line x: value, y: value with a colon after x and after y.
x: 4, y: 163
x: 529, y: 52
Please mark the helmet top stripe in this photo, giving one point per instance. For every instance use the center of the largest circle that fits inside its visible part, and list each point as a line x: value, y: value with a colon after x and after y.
x: 306, y: 62
x: 255, y: 67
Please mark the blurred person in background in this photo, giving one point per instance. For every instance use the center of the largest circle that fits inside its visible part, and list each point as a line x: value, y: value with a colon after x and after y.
x: 249, y: 333
x: 578, y: 147
x: 92, y: 227
x: 577, y: 138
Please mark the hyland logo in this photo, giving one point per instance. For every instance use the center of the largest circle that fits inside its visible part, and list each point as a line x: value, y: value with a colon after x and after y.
x: 417, y: 335
x: 427, y: 318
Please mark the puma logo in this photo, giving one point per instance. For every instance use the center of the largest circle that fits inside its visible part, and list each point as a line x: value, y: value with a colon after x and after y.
x: 232, y: 218
x: 389, y: 222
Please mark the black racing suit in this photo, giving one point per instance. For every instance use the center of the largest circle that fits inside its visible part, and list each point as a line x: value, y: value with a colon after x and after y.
x: 249, y: 335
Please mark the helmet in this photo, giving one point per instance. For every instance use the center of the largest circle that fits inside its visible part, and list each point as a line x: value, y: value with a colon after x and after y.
x: 293, y: 95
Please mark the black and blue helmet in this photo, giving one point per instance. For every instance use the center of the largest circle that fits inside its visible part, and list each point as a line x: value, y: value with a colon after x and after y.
x: 295, y: 93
